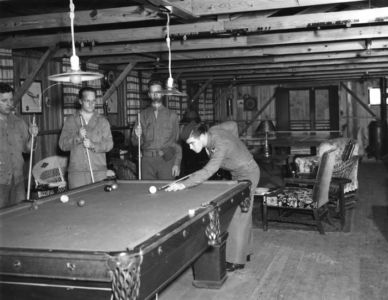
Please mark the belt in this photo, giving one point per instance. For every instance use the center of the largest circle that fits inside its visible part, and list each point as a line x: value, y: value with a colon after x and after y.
x: 152, y: 153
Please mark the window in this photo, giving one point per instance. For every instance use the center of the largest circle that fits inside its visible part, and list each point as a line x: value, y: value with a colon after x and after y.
x: 375, y: 96
x: 307, y: 109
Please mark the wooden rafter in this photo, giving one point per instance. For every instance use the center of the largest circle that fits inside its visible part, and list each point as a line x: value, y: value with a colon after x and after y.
x: 312, y: 21
x: 82, y: 18
x: 215, y: 7
x: 174, y: 7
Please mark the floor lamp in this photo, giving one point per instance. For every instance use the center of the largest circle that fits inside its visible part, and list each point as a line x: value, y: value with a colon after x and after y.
x: 266, y: 127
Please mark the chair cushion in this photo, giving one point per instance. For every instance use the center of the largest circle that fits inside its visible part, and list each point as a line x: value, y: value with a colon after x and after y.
x: 295, y: 197
x: 306, y: 164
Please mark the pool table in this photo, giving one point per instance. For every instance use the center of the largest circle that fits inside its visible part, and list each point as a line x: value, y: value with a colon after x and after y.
x: 124, y: 244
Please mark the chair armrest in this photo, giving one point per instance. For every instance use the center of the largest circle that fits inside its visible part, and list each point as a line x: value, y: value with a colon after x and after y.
x: 340, y: 180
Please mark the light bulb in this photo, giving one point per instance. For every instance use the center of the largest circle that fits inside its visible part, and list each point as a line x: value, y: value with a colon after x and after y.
x: 75, y: 78
x: 170, y: 83
x: 74, y: 63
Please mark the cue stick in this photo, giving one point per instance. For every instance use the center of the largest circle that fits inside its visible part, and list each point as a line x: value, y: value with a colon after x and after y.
x: 139, y: 148
x: 87, y: 153
x: 30, y: 165
x: 176, y: 181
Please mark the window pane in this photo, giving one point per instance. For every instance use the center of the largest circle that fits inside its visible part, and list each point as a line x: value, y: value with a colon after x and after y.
x: 322, y: 115
x: 299, y: 110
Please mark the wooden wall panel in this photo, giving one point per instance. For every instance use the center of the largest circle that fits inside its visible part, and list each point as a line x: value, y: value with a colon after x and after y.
x: 51, y: 116
x: 261, y: 92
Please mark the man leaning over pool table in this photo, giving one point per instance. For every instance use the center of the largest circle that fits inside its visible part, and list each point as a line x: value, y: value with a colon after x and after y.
x: 226, y: 151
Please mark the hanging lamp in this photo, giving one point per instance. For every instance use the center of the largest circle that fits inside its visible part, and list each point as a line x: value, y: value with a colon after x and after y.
x: 75, y: 75
x: 170, y: 90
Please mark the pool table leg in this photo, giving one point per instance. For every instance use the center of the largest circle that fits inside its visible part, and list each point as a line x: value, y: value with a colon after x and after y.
x: 209, y: 269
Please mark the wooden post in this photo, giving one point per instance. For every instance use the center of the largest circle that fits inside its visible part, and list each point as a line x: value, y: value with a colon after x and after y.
x: 383, y: 115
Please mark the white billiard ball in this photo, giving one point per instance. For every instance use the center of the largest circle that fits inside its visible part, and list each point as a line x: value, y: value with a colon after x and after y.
x: 64, y: 198
x: 152, y: 189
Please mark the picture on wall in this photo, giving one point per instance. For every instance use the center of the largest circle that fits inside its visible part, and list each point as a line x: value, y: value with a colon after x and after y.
x: 32, y: 99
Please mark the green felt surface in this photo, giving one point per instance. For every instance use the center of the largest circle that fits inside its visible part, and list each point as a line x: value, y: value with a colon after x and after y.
x: 110, y: 221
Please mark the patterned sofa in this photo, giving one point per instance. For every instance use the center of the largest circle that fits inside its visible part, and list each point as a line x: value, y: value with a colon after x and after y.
x: 346, y: 161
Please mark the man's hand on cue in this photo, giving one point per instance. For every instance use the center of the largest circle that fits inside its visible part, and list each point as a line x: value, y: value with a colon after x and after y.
x: 175, y: 187
x: 88, y: 144
x: 82, y: 133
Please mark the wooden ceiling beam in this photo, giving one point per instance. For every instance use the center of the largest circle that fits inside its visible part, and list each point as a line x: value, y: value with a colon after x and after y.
x: 275, y: 68
x: 367, y: 16
x: 258, y: 54
x: 355, y: 45
x: 289, y: 72
x: 216, y: 7
x: 82, y: 18
x: 312, y: 20
x: 260, y: 62
x: 174, y: 7
x: 121, y: 59
x: 282, y: 78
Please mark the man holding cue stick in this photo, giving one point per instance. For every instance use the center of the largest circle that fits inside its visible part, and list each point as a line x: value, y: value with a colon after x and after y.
x: 156, y: 134
x: 225, y: 151
x: 86, y: 132
x: 15, y: 138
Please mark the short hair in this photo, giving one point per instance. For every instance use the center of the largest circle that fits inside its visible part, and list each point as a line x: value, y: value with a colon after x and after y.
x: 154, y: 82
x: 5, y: 88
x: 193, y: 130
x: 86, y: 89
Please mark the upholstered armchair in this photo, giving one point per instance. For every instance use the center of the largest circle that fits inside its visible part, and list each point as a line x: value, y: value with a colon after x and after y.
x: 311, y: 196
x: 345, y: 166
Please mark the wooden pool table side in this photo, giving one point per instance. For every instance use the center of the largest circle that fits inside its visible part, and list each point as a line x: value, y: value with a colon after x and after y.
x: 45, y: 274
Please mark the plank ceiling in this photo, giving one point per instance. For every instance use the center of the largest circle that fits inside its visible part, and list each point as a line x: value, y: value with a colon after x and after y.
x: 262, y: 41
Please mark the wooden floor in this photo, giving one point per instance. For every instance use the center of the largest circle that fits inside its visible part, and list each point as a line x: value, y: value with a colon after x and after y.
x: 301, y: 264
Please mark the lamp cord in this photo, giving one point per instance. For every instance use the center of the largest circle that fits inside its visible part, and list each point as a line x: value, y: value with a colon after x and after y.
x: 72, y: 25
x: 168, y: 41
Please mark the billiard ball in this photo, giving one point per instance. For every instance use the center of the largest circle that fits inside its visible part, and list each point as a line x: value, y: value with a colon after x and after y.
x: 191, y: 212
x: 152, y: 189
x: 64, y: 198
x: 115, y: 186
x: 81, y: 203
x: 108, y: 188
x: 34, y: 206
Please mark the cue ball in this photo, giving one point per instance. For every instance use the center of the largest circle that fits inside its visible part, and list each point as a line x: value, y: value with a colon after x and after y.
x: 152, y: 189
x: 108, y: 188
x: 64, y: 198
x: 115, y: 186
x: 81, y: 203
x: 191, y: 212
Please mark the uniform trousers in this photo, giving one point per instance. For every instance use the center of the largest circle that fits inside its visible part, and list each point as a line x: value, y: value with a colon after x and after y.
x: 156, y: 168
x: 13, y: 193
x: 238, y: 244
